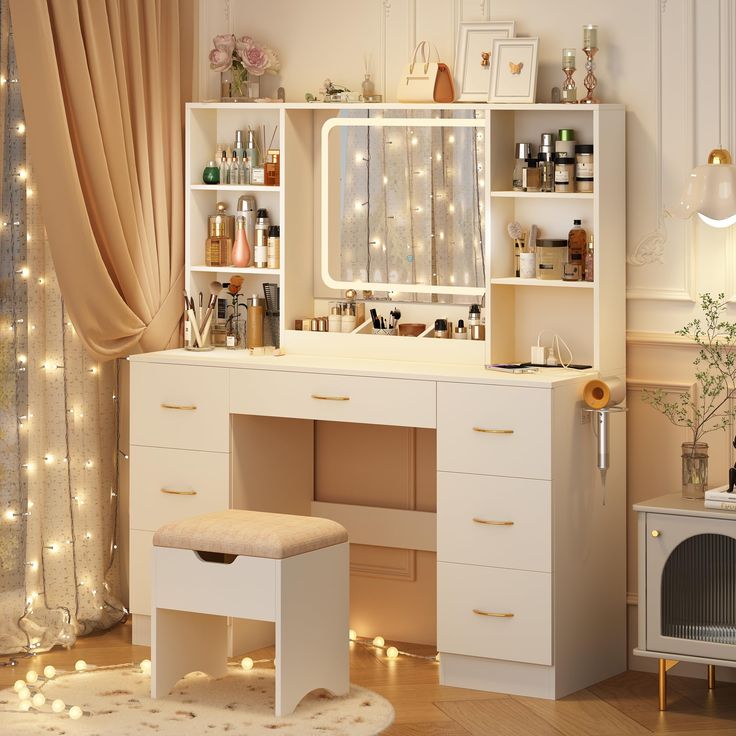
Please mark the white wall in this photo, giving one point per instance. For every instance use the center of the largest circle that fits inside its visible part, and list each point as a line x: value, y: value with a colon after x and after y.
x: 659, y: 57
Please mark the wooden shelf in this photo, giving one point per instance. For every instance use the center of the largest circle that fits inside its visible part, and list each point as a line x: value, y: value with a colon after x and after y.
x: 510, y: 194
x: 514, y: 281
x: 232, y: 188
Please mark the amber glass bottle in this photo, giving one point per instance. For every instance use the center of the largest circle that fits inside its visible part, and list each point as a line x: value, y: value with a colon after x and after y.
x: 577, y: 244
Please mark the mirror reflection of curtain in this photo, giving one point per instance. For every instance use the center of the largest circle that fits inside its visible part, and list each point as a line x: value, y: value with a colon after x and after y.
x: 59, y: 447
x: 412, y: 204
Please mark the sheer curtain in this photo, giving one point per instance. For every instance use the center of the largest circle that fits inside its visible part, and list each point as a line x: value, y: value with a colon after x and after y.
x: 59, y: 453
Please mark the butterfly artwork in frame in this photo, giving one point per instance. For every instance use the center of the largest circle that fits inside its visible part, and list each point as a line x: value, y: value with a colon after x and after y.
x: 514, y: 70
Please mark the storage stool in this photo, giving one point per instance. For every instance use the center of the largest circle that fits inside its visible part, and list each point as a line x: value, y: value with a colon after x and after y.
x: 292, y: 570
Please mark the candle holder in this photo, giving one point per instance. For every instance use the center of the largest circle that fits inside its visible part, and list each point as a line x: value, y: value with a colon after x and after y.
x: 569, y: 91
x: 590, y: 80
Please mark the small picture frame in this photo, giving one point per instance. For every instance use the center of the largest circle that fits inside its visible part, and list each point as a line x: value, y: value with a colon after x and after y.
x: 514, y: 70
x: 473, y: 57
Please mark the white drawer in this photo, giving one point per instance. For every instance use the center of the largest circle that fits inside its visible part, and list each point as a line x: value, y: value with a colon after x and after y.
x: 487, y: 520
x: 337, y: 398
x: 526, y: 636
x: 179, y: 406
x: 141, y: 559
x: 168, y: 485
x: 494, y: 430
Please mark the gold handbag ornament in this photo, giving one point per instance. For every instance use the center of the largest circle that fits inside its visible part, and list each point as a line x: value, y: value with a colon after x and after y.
x: 425, y: 80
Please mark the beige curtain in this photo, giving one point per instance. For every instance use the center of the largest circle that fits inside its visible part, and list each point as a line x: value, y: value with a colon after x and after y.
x: 103, y: 85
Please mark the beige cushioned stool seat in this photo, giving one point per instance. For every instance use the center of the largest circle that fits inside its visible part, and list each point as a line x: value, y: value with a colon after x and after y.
x: 251, y: 533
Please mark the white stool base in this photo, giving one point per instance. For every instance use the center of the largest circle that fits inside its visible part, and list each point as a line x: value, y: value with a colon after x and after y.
x: 305, y: 595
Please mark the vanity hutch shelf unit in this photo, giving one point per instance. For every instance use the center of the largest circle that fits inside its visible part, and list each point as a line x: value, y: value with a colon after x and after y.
x: 531, y: 592
x: 590, y: 317
x: 687, y: 585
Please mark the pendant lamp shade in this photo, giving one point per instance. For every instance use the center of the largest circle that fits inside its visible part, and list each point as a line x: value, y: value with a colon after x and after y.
x: 711, y: 191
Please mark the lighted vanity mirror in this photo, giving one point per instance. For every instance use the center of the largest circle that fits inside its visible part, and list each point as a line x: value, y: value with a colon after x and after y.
x: 403, y: 210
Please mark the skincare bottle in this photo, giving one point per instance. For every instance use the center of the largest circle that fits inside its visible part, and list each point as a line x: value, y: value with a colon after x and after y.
x: 224, y: 169
x: 348, y: 317
x: 440, y: 329
x: 334, y: 319
x: 251, y: 151
x: 523, y: 152
x: 260, y: 254
x: 238, y: 149
x: 254, y: 321
x: 476, y: 329
x: 589, y: 260
x: 460, y: 332
x: 274, y: 247
x: 241, y: 247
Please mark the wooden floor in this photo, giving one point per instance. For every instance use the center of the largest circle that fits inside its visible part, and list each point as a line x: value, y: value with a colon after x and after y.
x: 623, y: 705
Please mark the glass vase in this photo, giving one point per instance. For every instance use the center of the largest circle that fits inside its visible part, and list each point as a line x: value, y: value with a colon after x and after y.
x: 694, y: 469
x: 234, y: 85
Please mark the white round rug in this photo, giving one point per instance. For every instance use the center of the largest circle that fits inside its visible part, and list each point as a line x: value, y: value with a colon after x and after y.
x: 117, y: 702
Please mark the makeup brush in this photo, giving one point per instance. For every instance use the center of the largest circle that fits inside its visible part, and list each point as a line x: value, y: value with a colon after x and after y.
x: 193, y: 319
x: 215, y: 289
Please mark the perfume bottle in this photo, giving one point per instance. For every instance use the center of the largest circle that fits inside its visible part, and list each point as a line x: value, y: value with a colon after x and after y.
x: 271, y: 168
x: 219, y: 243
x: 241, y: 248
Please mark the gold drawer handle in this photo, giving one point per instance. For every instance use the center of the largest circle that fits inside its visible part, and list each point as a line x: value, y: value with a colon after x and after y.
x: 492, y: 614
x: 493, y: 431
x: 179, y: 407
x: 492, y: 522
x: 330, y: 398
x: 178, y: 493
x: 656, y: 533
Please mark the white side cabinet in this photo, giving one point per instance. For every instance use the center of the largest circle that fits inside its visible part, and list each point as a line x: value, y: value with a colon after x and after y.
x: 687, y: 585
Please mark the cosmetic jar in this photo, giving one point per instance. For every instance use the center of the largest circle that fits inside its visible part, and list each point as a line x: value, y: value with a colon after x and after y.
x: 584, y: 161
x: 564, y: 174
x: 551, y: 257
x: 211, y: 173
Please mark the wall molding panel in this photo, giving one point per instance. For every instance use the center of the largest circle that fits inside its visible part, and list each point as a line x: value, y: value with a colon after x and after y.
x: 675, y: 123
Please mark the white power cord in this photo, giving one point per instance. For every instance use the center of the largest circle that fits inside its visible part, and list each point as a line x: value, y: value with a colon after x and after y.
x: 557, y: 341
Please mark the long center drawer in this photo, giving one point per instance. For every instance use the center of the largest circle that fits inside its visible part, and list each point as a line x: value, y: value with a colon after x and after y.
x: 337, y: 398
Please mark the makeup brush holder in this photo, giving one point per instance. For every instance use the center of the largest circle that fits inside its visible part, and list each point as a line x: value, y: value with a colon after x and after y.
x: 385, y: 331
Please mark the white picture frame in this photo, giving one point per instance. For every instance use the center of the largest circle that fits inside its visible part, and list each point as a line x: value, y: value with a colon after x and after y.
x: 472, y: 78
x: 510, y: 82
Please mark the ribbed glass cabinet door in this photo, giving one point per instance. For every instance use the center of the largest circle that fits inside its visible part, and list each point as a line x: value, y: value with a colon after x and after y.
x: 691, y: 579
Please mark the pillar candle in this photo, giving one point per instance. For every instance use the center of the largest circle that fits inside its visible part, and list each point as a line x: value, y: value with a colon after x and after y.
x: 590, y: 37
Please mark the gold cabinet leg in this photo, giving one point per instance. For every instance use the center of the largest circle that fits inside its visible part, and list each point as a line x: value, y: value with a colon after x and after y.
x: 711, y: 676
x: 663, y: 684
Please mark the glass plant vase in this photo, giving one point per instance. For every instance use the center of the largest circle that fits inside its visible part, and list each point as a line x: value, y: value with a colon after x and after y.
x: 694, y: 469
x: 234, y: 84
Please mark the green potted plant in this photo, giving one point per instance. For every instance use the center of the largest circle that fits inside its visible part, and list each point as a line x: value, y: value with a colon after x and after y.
x: 707, y: 408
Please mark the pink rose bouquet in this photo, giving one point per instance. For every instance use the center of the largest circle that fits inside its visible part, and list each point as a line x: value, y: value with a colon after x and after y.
x: 242, y: 53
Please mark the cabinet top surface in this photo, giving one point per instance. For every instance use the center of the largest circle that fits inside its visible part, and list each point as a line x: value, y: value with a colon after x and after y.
x: 222, y: 358
x: 674, y: 503
x: 213, y: 105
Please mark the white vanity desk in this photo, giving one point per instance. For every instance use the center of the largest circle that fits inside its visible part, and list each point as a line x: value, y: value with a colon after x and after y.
x: 530, y: 560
